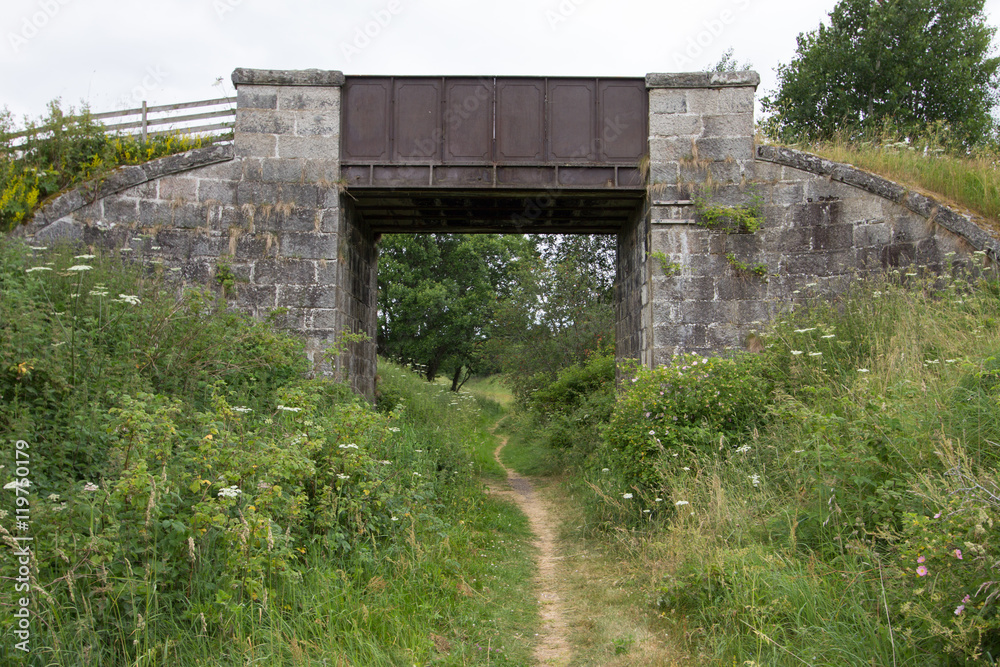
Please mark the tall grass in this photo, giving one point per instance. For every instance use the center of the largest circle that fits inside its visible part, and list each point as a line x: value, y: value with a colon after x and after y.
x: 970, y: 181
x: 836, y: 527
x: 196, y: 500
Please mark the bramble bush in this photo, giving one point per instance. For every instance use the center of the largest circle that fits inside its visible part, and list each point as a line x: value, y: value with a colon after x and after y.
x: 947, y: 565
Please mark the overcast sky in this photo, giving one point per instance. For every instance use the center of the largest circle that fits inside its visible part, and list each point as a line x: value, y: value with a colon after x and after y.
x: 114, y: 54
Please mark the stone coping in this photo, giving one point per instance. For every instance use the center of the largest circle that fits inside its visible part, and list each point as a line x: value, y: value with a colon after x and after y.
x: 287, y: 77
x: 934, y: 211
x: 703, y: 79
x: 126, y: 177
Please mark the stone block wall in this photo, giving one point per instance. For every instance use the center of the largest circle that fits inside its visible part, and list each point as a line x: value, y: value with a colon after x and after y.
x: 632, y: 297
x: 825, y: 225
x: 265, y: 211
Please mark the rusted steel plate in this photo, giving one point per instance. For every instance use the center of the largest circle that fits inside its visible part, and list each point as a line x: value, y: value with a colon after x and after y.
x: 623, y: 119
x: 600, y: 177
x: 417, y: 120
x: 520, y: 120
x: 365, y: 125
x: 468, y: 120
x: 462, y: 176
x: 393, y: 176
x: 496, y: 132
x: 538, y: 176
x: 572, y: 120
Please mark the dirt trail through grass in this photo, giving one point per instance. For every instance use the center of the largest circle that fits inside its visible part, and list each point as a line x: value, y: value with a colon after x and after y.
x: 553, y: 649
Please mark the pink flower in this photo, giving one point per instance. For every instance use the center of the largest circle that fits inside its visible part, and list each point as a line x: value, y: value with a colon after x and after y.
x: 966, y: 599
x: 959, y: 609
x: 958, y: 554
x: 938, y: 515
x: 922, y: 571
x: 920, y: 559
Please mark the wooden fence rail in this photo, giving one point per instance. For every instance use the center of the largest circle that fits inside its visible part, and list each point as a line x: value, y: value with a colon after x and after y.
x: 146, y: 121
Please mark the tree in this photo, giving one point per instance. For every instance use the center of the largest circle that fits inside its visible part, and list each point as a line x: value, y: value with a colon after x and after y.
x: 437, y: 296
x: 728, y: 63
x: 560, y: 310
x: 908, y: 63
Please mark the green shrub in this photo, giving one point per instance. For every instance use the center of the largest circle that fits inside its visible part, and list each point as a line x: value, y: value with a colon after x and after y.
x: 186, y: 477
x: 696, y: 408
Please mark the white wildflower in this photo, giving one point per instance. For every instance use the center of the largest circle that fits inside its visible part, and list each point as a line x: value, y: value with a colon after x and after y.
x: 42, y: 247
x: 417, y: 474
x: 343, y: 476
x: 805, y: 330
x: 627, y: 496
x: 815, y: 354
x: 38, y: 268
x: 53, y: 497
x: 828, y: 336
x: 605, y: 469
x: 796, y: 353
x: 90, y: 486
x: 743, y: 449
x: 288, y: 409
x: 755, y: 478
x: 659, y: 500
x: 79, y: 267
x: 240, y: 408
x: 863, y: 370
x: 23, y: 483
x: 349, y: 445
x: 230, y: 492
x: 394, y: 429
x: 84, y: 256
x: 681, y: 503
x: 130, y: 299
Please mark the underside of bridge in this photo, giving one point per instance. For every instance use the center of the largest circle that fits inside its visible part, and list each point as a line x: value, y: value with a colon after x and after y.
x: 510, y: 212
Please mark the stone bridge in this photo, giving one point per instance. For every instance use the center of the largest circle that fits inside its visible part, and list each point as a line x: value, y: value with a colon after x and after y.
x: 322, y: 164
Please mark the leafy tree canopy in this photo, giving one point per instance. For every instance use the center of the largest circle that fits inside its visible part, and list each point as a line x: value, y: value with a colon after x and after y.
x: 907, y: 63
x: 560, y: 311
x: 438, y: 294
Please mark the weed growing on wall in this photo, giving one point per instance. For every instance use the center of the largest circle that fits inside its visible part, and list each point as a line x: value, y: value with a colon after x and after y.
x: 65, y: 149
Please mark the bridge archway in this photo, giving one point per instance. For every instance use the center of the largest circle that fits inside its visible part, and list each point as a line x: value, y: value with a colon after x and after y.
x: 315, y: 172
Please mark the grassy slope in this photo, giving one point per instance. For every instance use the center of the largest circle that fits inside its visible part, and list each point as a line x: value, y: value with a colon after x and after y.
x: 970, y: 183
x: 356, y: 537
x: 816, y: 562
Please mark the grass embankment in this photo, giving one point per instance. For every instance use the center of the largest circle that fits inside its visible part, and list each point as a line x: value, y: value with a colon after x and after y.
x: 969, y: 182
x: 194, y: 500
x: 829, y: 501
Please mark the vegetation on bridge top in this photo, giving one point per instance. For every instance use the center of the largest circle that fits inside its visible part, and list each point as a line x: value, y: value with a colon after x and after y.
x: 65, y: 149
